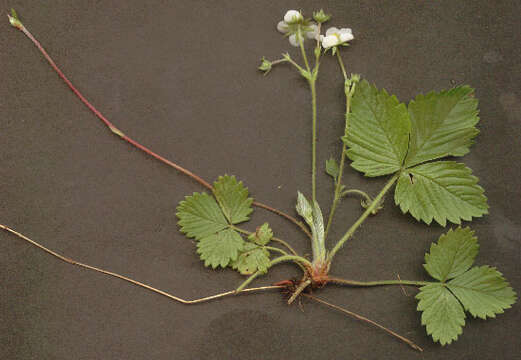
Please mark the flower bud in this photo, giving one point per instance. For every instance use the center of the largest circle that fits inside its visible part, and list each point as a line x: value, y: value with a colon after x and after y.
x: 320, y: 16
x: 293, y: 17
x: 265, y: 65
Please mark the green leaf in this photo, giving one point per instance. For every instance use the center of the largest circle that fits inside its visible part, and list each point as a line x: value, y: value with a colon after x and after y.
x: 319, y: 246
x: 200, y: 216
x: 332, y: 168
x: 304, y: 209
x: 452, y: 255
x: 442, y: 314
x: 221, y: 248
x: 483, y: 291
x: 233, y: 199
x: 378, y: 132
x: 253, y: 258
x: 262, y: 235
x: 442, y: 190
x: 442, y: 124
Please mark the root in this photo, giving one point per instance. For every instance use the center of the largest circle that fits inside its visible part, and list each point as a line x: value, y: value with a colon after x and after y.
x: 363, y: 318
x: 135, y: 282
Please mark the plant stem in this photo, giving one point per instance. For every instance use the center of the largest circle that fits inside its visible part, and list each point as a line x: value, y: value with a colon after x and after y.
x: 377, y: 283
x: 342, y: 67
x: 272, y: 248
x: 276, y: 239
x: 314, y: 140
x: 377, y: 200
x: 295, y: 259
x: 132, y: 281
x: 337, y: 196
x: 146, y: 150
x: 358, y: 192
x: 363, y: 318
x: 311, y: 80
x: 302, y: 49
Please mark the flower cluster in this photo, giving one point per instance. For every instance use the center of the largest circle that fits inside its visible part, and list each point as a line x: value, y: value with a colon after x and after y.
x: 298, y: 28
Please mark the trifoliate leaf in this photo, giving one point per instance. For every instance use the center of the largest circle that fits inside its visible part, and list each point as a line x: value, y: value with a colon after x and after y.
x: 442, y: 124
x: 221, y: 248
x: 483, y: 291
x: 452, y: 255
x: 442, y: 314
x: 262, y: 235
x: 253, y: 258
x: 378, y: 133
x: 442, y: 190
x: 200, y: 216
x: 233, y: 199
x: 332, y: 168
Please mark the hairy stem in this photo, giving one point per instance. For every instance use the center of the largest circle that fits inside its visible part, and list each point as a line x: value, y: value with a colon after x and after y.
x: 276, y: 239
x: 134, y: 143
x: 311, y: 80
x: 363, y: 318
x: 358, y: 192
x: 312, y: 86
x: 132, y: 281
x: 337, y: 196
x: 376, y: 283
x: 377, y: 200
x: 293, y: 258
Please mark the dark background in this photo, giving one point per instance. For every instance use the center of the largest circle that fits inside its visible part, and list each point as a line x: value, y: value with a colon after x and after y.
x: 181, y: 78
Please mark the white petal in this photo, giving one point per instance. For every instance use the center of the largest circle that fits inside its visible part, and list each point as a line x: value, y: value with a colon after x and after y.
x: 292, y: 16
x: 329, y: 41
x: 345, y: 37
x: 331, y: 31
x: 346, y: 31
x: 282, y: 27
x: 293, y: 40
x: 313, y: 33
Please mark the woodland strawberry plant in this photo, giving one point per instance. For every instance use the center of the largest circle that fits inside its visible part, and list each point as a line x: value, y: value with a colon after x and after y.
x: 410, y: 144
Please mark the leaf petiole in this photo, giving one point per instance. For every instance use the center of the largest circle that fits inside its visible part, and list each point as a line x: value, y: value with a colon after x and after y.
x: 361, y: 219
x: 299, y: 260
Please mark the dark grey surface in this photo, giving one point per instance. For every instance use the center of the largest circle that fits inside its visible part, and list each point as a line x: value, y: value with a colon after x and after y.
x: 181, y: 78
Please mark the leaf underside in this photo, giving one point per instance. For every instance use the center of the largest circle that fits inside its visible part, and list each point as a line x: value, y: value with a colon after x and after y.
x: 378, y: 132
x: 441, y: 190
x: 482, y: 291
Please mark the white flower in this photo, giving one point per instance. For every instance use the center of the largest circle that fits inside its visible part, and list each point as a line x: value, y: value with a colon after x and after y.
x: 293, y: 40
x: 294, y: 20
x: 335, y: 37
x: 293, y: 16
x: 313, y: 32
x: 283, y: 27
